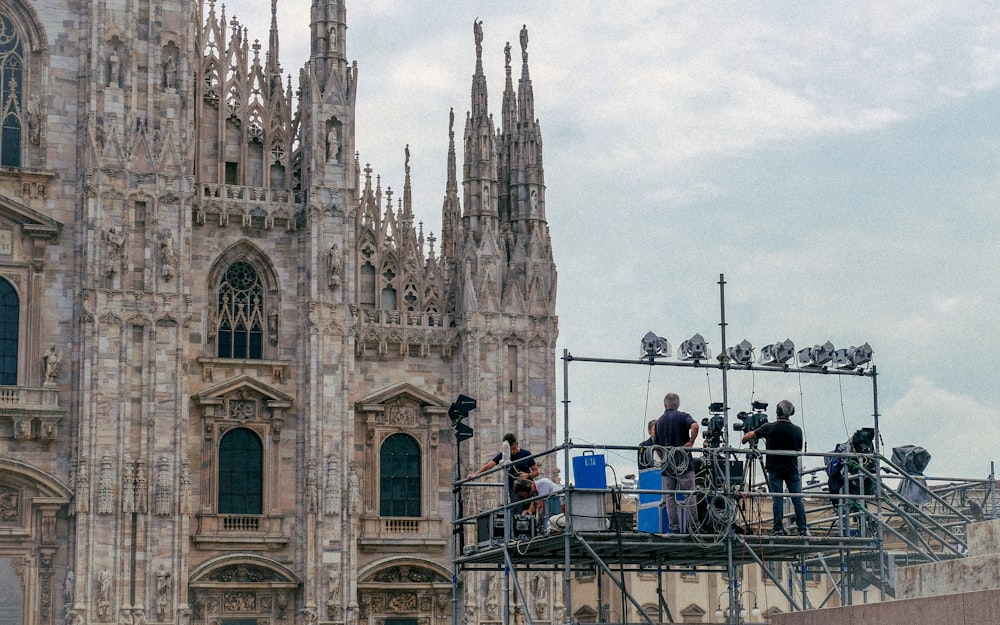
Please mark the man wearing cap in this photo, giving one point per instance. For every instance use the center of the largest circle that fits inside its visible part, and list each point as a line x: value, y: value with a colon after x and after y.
x: 783, y: 435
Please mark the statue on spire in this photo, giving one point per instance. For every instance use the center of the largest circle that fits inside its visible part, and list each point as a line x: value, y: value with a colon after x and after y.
x: 477, y: 31
x: 524, y: 43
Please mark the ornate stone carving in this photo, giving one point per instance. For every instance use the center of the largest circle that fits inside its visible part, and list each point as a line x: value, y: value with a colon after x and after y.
x: 163, y: 494
x: 331, y: 499
x: 128, y: 487
x: 104, y: 594
x: 82, y: 488
x: 105, y: 488
x: 242, y: 573
x: 312, y: 491
x: 10, y: 500
x: 242, y: 409
x: 239, y: 601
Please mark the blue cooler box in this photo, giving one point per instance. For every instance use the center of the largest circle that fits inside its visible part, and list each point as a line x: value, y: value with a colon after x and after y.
x: 588, y: 471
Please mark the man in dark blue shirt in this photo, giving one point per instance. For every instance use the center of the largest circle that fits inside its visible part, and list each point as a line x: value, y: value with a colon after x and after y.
x: 522, y: 465
x: 678, y: 429
x: 783, y: 435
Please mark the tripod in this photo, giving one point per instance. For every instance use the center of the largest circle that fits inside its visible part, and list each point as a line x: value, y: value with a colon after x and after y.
x: 754, y: 460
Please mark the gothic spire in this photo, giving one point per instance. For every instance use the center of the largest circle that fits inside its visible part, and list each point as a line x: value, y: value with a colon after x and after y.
x: 480, y: 179
x: 273, y: 64
x: 451, y: 211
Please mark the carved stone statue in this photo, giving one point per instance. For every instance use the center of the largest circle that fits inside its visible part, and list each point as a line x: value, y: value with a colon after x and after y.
x: 335, y: 262
x: 104, y: 593
x: 114, y: 68
x: 115, y: 238
x: 354, y: 491
x: 52, y: 359
x: 34, y: 112
x: 308, y: 616
x: 477, y: 33
x: 524, y: 43
x: 170, y: 72
x: 168, y: 256
x: 162, y: 590
x: 332, y: 144
x: 68, y: 588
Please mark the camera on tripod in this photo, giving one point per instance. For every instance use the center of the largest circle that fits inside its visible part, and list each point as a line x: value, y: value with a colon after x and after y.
x: 750, y: 421
x: 715, y: 426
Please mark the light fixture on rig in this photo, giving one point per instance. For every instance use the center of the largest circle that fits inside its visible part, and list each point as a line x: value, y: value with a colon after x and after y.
x: 655, y: 346
x: 695, y: 348
x: 853, y: 357
x: 777, y: 354
x: 817, y: 355
x: 741, y: 354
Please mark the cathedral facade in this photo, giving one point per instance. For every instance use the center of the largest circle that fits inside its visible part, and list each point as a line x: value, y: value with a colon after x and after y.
x: 227, y: 351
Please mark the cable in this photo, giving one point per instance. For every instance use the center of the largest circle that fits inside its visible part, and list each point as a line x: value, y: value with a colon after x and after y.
x: 843, y: 412
x: 676, y: 459
x: 802, y: 412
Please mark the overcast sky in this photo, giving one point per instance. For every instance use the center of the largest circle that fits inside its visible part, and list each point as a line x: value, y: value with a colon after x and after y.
x: 838, y: 162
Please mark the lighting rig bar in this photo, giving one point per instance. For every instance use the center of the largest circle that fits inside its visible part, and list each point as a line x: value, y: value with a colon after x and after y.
x: 698, y: 364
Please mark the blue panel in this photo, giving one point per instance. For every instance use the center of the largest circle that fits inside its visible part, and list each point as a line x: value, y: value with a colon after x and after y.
x: 588, y: 471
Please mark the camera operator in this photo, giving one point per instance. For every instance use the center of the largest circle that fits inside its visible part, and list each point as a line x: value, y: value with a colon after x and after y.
x: 783, y: 435
x: 678, y: 429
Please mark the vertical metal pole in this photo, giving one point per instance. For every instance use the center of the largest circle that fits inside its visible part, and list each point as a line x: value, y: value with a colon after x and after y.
x: 734, y: 597
x: 993, y: 490
x: 878, y: 483
x: 567, y: 578
x: 457, y: 532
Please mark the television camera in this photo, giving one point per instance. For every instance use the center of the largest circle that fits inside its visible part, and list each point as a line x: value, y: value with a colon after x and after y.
x: 750, y: 421
x: 715, y: 425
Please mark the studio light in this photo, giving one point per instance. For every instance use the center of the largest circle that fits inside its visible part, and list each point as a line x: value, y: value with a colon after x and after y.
x: 655, y: 346
x: 817, y: 355
x: 694, y: 348
x: 861, y: 355
x: 777, y: 354
x: 741, y: 354
x: 853, y: 357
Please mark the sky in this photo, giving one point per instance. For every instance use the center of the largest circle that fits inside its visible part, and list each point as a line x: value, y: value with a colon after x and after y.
x: 837, y: 163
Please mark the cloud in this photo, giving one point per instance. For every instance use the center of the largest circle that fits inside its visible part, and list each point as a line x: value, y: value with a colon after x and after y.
x: 949, y: 425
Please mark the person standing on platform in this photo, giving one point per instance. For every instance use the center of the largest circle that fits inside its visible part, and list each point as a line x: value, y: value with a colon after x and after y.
x: 678, y: 429
x: 783, y: 435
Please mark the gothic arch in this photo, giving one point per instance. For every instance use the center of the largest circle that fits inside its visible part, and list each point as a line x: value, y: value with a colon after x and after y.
x: 401, y: 587
x: 31, y: 26
x: 47, y: 485
x: 392, y: 568
x: 246, y: 251
x: 244, y: 585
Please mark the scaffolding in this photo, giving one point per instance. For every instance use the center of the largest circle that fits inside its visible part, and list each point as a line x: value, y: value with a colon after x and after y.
x: 883, y: 516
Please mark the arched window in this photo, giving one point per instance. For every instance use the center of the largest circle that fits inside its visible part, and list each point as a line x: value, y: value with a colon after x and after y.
x: 241, y: 313
x: 11, y: 88
x: 388, y: 298
x: 10, y: 311
x: 399, y: 473
x: 241, y: 473
x: 366, y: 290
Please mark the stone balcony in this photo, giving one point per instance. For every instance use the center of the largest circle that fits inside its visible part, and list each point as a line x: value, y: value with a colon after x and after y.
x: 240, y: 531
x: 33, y: 413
